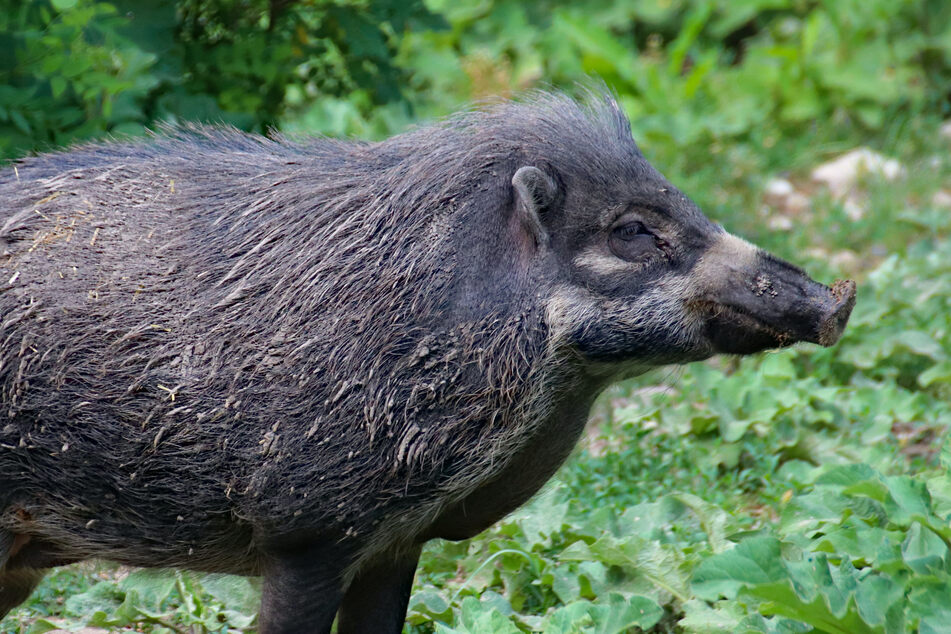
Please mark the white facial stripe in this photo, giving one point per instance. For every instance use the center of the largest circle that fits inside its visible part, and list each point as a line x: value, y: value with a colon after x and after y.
x: 567, y: 308
x: 736, y: 249
x: 727, y: 253
x: 600, y: 263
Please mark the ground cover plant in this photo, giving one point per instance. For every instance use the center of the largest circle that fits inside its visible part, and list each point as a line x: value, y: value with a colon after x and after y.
x: 804, y: 490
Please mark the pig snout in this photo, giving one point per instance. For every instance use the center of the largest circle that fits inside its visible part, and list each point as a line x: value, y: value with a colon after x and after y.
x: 763, y: 302
x: 836, y: 317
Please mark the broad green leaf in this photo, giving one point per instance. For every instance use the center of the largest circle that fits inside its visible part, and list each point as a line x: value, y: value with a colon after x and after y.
x: 923, y: 343
x: 733, y: 430
x: 700, y: 618
x: 780, y: 599
x: 753, y: 561
x: 566, y: 584
x: 875, y: 596
x: 429, y: 602
x: 574, y: 617
x: 817, y: 594
x: 102, y: 598
x: 151, y: 587
x: 910, y: 497
x: 660, y: 565
x: 938, y: 373
x: 41, y: 626
x: 924, y: 552
x: 239, y: 596
x: 620, y: 614
x: 846, y: 475
x: 778, y: 365
x: 712, y: 518
x: 478, y: 617
x: 928, y: 602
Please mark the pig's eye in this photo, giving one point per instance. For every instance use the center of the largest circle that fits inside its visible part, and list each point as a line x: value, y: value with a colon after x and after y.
x: 632, y: 241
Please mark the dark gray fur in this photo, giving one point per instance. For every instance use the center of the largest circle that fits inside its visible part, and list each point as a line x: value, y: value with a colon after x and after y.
x: 303, y: 359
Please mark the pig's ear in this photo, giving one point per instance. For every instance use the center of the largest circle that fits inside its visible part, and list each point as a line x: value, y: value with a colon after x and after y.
x: 534, y: 192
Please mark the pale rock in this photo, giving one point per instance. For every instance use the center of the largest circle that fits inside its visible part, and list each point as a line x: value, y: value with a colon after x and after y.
x: 797, y: 203
x: 945, y: 130
x: 845, y: 260
x: 780, y: 223
x: 941, y: 198
x: 781, y: 194
x: 853, y: 209
x: 841, y: 174
x: 778, y: 188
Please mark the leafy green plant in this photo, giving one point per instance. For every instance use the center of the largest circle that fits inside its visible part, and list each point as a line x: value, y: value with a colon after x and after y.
x: 67, y: 73
x: 74, y: 69
x: 858, y: 551
x: 158, y: 601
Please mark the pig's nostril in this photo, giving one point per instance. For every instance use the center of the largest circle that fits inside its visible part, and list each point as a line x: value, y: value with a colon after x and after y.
x: 831, y: 327
x: 844, y: 292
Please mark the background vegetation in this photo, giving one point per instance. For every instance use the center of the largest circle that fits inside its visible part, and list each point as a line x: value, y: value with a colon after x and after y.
x: 800, y: 491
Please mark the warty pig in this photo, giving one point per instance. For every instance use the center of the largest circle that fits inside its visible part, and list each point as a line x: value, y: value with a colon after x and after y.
x: 302, y: 360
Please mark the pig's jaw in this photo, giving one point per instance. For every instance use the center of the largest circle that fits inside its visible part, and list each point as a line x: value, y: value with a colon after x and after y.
x: 733, y: 331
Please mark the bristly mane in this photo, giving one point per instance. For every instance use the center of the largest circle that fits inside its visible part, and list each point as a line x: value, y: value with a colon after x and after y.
x: 247, y: 311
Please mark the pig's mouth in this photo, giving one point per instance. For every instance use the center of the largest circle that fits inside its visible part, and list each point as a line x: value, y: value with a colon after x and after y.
x: 748, y: 318
x: 732, y: 330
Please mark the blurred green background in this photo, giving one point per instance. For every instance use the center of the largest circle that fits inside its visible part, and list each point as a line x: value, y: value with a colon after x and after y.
x: 691, y: 73
x: 799, y: 491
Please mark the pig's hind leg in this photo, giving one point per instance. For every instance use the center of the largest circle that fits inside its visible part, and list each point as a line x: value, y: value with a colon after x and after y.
x: 17, y: 584
x: 377, y: 597
x: 301, y: 590
x: 6, y: 546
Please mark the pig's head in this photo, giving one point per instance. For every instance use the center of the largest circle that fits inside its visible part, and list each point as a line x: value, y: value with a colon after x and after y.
x: 644, y: 278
